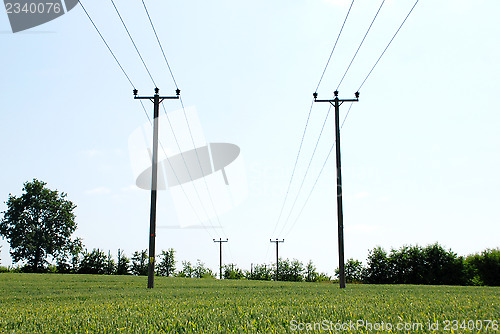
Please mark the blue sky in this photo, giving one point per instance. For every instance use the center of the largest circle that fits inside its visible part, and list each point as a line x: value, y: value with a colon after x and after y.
x: 420, y: 151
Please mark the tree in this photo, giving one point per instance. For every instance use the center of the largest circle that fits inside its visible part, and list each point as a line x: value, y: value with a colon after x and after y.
x: 38, y: 224
x: 261, y: 272
x: 230, y: 271
x: 110, y: 265
x: 442, y: 266
x: 378, y: 269
x: 140, y: 263
x: 166, y: 265
x: 187, y: 270
x: 122, y: 267
x: 69, y: 261
x: 310, y: 273
x: 93, y: 263
x: 484, y: 268
x: 200, y: 271
x: 353, y: 271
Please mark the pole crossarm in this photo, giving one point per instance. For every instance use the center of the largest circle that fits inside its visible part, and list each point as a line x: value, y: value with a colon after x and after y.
x: 336, y: 102
x: 161, y: 98
x: 156, y: 99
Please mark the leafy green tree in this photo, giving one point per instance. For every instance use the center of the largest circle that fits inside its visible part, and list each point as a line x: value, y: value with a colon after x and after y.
x: 230, y: 271
x: 484, y: 268
x: 166, y: 265
x: 442, y: 266
x: 38, y: 224
x: 93, y: 262
x: 67, y: 262
x: 123, y: 265
x: 110, y: 265
x: 187, y: 270
x: 140, y: 263
x: 261, y: 272
x: 200, y: 271
x: 408, y: 265
x: 353, y: 271
x: 378, y: 269
x: 310, y: 274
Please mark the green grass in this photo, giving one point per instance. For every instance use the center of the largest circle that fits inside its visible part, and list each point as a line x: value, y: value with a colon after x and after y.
x: 52, y: 303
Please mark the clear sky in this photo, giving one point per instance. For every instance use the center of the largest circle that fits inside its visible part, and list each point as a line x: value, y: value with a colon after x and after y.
x: 420, y: 151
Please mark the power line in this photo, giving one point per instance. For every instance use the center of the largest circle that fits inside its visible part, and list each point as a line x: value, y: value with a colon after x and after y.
x: 159, y: 43
x: 378, y: 60
x: 388, y: 45
x: 185, y: 165
x: 145, y: 112
x: 294, y: 168
x: 307, y: 170
x: 359, y: 47
x: 190, y: 133
x: 308, y: 117
x: 116, y: 59
x: 317, y: 178
x: 312, y: 189
x: 334, y: 46
x: 199, y: 163
x: 347, y: 114
x: 187, y: 122
x: 132, y: 40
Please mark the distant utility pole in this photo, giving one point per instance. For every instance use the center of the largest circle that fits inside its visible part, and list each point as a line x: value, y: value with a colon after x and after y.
x: 156, y: 99
x: 220, y: 241
x: 277, y: 258
x: 336, y: 102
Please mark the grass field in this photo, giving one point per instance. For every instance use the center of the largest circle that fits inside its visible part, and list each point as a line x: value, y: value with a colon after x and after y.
x: 53, y: 303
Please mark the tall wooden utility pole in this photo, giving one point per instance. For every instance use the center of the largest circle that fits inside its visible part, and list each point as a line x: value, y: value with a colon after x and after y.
x: 336, y: 102
x: 156, y: 99
x: 277, y: 257
x: 220, y: 241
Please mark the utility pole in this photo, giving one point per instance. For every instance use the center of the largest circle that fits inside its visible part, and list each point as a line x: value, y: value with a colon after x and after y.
x: 336, y: 102
x: 156, y: 99
x: 220, y: 241
x: 277, y: 258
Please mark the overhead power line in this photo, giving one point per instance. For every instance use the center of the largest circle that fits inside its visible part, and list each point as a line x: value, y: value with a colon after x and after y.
x: 132, y: 40
x: 359, y: 47
x: 306, y: 172
x: 347, y: 114
x: 102, y: 38
x: 334, y: 46
x: 311, y: 191
x: 146, y: 113
x: 294, y: 168
x: 191, y: 135
x: 307, y: 121
x: 416, y: 2
x: 159, y: 43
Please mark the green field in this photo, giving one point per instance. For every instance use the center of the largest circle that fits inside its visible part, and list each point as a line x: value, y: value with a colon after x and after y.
x: 54, y: 303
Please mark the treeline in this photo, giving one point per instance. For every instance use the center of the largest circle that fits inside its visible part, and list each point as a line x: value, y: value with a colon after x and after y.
x: 427, y: 265
x: 432, y: 265
x: 288, y: 270
x: 97, y: 262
